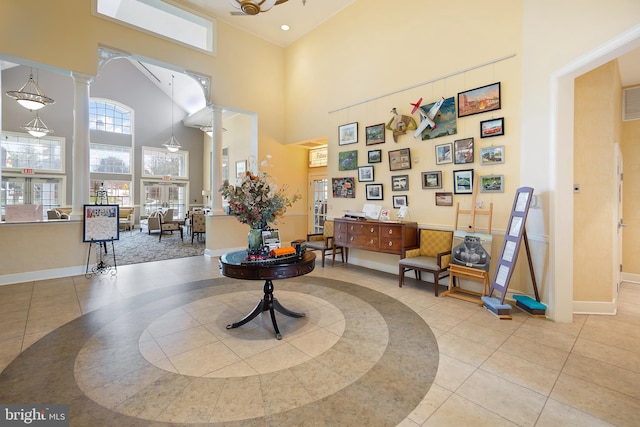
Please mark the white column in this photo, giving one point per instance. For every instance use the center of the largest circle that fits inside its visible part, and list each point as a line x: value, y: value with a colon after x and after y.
x: 81, y: 178
x: 216, y: 163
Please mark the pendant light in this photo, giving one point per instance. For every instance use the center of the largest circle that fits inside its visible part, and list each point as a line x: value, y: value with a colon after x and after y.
x: 36, y: 127
x: 172, y: 144
x: 30, y: 96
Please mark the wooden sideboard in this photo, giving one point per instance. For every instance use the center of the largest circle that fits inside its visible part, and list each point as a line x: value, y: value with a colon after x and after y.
x: 376, y: 236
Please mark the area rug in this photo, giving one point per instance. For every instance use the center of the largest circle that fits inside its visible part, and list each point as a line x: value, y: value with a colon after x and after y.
x: 136, y: 247
x: 384, y: 394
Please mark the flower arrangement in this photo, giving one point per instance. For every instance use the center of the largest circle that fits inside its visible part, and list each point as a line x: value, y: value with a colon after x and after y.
x: 257, y: 201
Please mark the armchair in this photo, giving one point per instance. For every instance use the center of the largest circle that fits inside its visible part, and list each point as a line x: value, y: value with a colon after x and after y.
x: 126, y: 218
x: 432, y: 256
x: 198, y: 224
x: 153, y: 221
x: 324, y: 242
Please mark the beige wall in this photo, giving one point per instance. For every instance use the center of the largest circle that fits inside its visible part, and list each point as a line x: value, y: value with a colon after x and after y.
x: 597, y: 127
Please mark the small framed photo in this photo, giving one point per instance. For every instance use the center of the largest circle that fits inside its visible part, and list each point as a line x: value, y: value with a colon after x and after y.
x: 348, y: 160
x: 374, y: 156
x: 374, y: 191
x: 432, y: 180
x: 384, y: 215
x: 493, y: 127
x: 348, y: 134
x: 400, y: 159
x: 463, y: 181
x: 479, y: 100
x: 400, y: 202
x: 400, y: 183
x: 444, y: 199
x: 492, y: 155
x: 444, y: 153
x: 365, y: 173
x: 374, y: 134
x: 463, y: 151
x: 492, y: 184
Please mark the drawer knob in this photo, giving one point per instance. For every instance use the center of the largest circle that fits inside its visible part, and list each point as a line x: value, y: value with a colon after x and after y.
x: 371, y: 241
x: 390, y: 231
x: 371, y: 230
x: 351, y: 238
x: 390, y: 243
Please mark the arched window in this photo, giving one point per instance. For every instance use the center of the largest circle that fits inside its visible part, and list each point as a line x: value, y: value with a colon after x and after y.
x: 109, y: 116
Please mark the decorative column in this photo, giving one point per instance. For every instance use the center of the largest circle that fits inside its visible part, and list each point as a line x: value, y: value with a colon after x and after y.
x: 81, y: 177
x: 216, y: 162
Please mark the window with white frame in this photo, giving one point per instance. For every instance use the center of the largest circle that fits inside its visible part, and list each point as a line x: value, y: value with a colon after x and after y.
x: 110, y: 159
x: 159, y: 163
x: 161, y: 18
x: 22, y: 151
x: 109, y: 116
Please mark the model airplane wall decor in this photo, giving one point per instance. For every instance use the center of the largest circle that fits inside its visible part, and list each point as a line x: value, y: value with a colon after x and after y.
x: 400, y: 124
x: 427, y: 118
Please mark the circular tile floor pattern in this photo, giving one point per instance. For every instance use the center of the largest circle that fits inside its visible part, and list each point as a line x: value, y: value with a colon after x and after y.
x: 380, y: 365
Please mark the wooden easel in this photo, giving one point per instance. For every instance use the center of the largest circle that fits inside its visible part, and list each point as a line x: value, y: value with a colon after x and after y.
x: 462, y: 272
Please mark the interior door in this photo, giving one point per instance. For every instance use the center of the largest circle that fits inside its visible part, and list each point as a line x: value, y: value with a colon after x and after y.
x: 319, y: 192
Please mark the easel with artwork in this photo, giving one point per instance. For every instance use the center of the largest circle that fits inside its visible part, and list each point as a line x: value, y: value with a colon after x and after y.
x: 471, y: 253
x: 101, y: 225
x: 516, y: 233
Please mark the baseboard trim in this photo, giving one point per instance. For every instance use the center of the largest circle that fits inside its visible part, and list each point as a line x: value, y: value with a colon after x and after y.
x: 595, y: 307
x: 30, y: 276
x: 630, y: 278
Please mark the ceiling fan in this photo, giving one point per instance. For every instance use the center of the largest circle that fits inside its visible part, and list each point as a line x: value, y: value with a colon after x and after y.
x: 254, y: 7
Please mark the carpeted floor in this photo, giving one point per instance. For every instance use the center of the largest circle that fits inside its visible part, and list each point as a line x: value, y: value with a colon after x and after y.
x: 136, y: 247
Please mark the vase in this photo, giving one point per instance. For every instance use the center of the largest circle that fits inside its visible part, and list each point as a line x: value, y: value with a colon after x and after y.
x: 254, y: 240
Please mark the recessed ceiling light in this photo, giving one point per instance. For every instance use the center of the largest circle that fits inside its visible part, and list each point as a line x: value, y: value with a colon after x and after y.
x: 284, y: 27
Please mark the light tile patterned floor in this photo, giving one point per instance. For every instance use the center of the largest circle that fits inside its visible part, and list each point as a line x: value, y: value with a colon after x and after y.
x: 523, y: 372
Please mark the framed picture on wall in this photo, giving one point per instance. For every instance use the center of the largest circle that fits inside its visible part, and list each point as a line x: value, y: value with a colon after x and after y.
x: 399, y: 159
x: 374, y: 191
x: 374, y: 156
x: 492, y: 184
x: 444, y: 153
x: 492, y: 155
x: 432, y: 180
x: 493, y: 127
x: 400, y: 183
x: 374, y: 134
x: 479, y: 100
x: 463, y: 181
x: 348, y: 134
x: 344, y: 187
x: 463, y: 151
x: 365, y: 173
x: 400, y: 202
x: 444, y: 199
x: 348, y: 160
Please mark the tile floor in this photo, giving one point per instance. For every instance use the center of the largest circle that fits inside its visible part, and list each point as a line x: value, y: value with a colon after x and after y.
x: 521, y: 372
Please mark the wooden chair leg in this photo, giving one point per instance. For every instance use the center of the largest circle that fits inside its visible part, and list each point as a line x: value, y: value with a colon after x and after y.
x: 401, y: 277
x: 436, y: 278
x: 333, y: 256
x: 323, y: 251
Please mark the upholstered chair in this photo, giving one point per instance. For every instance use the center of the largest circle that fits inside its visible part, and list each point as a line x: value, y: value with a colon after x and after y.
x: 198, y: 225
x: 432, y: 256
x: 324, y: 243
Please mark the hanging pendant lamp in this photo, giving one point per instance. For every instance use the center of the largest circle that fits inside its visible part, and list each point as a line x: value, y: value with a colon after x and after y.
x: 172, y: 144
x: 30, y: 96
x: 37, y: 128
